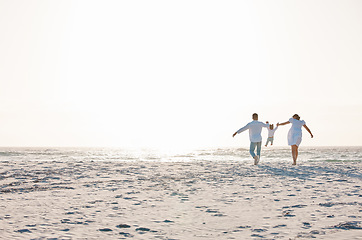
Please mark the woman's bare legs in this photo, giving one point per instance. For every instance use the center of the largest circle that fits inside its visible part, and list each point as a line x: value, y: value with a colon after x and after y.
x: 295, y: 154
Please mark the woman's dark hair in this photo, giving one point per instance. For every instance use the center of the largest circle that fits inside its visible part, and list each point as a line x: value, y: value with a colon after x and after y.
x: 296, y: 116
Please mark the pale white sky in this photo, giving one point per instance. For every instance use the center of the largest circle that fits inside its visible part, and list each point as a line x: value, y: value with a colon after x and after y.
x: 177, y: 73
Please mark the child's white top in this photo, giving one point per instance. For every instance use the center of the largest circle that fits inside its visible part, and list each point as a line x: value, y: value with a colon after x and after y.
x: 272, y: 131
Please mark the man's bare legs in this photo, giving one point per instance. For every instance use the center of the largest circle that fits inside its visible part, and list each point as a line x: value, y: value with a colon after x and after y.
x: 295, y: 154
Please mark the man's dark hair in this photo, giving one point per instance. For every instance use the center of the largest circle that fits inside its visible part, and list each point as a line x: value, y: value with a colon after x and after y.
x: 255, y: 116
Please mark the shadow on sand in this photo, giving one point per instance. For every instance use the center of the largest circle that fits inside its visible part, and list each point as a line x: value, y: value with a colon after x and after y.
x: 310, y: 172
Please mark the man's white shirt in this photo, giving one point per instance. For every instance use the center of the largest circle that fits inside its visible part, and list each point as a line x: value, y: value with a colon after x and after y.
x: 255, y: 128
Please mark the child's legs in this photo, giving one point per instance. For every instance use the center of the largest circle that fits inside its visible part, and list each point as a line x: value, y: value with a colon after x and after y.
x: 269, y: 140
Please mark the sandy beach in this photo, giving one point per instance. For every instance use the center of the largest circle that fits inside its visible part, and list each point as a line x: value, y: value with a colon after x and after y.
x: 180, y: 200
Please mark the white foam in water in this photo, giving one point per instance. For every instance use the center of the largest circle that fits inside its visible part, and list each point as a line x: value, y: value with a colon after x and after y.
x: 201, y: 194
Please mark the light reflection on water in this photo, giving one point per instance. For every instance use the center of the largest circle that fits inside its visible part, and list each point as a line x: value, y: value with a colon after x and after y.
x: 270, y: 154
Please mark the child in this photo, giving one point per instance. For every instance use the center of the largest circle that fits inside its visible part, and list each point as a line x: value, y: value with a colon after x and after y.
x: 271, y: 131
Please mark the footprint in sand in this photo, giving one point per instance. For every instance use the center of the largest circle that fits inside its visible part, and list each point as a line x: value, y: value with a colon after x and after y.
x: 123, y: 226
x: 349, y: 225
x: 143, y: 230
x: 306, y: 225
x: 212, y: 211
x: 288, y: 214
x: 23, y: 231
x: 259, y: 230
x: 279, y: 226
x: 257, y: 235
x: 126, y: 234
x: 244, y: 227
x: 105, y: 230
x: 168, y: 221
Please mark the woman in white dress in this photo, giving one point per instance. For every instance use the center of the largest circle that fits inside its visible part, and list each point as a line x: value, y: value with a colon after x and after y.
x: 295, y: 134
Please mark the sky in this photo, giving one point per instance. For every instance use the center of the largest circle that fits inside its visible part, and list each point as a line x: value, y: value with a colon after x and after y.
x: 174, y: 74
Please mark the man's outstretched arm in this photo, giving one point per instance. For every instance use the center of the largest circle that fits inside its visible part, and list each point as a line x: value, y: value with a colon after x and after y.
x: 241, y: 130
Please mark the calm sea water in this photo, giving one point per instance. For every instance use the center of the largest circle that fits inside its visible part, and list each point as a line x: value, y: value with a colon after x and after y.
x: 270, y: 154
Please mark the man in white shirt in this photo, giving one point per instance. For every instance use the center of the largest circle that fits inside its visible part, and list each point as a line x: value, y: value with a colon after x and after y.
x: 255, y: 128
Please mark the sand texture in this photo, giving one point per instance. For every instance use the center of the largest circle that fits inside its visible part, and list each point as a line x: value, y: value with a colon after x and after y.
x: 180, y: 200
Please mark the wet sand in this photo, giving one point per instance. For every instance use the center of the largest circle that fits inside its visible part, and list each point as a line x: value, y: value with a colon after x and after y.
x: 180, y: 200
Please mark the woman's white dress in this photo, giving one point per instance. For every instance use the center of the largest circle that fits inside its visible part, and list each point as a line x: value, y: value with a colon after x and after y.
x: 295, y: 132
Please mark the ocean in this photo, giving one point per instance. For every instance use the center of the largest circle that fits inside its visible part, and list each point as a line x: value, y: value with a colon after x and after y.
x: 269, y: 154
x: 215, y: 193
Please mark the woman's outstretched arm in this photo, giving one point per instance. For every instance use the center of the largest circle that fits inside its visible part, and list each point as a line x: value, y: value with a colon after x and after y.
x: 284, y: 123
x: 305, y: 126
